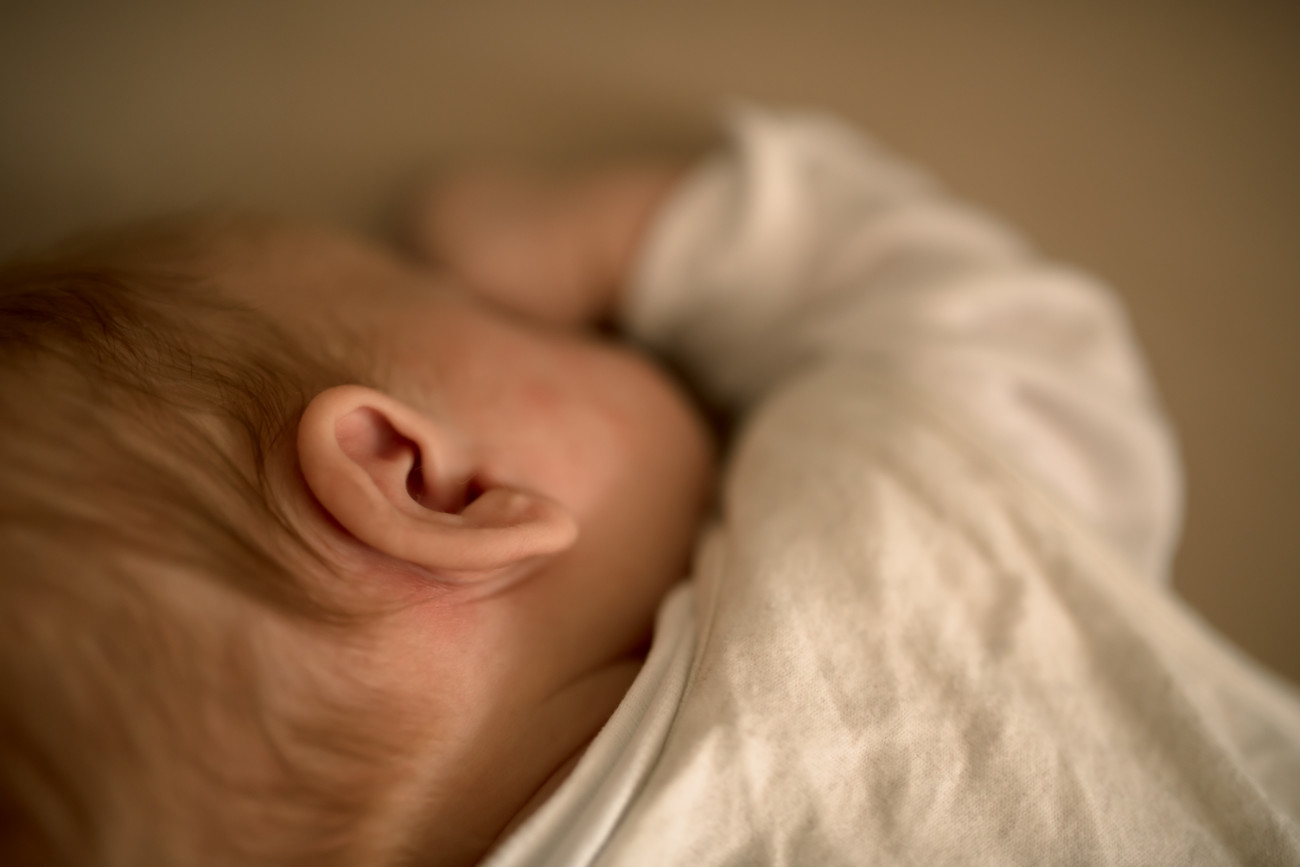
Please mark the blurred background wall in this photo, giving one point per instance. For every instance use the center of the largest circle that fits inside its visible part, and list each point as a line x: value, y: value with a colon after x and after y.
x: 1154, y: 143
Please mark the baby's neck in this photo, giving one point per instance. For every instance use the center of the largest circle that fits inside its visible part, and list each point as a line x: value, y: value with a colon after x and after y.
x: 604, y: 689
x: 523, y: 772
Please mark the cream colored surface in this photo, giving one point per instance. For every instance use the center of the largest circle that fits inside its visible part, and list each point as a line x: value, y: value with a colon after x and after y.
x: 1155, y: 147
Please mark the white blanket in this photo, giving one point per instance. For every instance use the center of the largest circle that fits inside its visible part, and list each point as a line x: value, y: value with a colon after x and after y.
x: 930, y: 626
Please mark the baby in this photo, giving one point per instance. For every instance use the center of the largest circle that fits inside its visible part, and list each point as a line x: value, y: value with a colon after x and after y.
x: 317, y: 556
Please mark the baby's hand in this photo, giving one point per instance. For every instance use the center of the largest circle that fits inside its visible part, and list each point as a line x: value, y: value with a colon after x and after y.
x: 555, y: 250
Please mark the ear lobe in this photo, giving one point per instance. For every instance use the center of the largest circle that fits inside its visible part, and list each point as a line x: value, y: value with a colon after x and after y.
x: 402, y: 484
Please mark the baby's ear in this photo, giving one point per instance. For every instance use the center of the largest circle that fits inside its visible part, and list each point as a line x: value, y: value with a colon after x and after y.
x: 404, y: 485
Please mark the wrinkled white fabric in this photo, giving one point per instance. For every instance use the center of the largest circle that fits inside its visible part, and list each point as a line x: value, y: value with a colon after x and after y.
x: 930, y: 626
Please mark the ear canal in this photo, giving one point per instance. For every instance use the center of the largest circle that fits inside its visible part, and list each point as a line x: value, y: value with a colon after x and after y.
x: 399, y: 483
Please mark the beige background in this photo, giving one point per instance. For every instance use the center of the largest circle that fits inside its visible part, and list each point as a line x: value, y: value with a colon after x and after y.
x: 1154, y: 143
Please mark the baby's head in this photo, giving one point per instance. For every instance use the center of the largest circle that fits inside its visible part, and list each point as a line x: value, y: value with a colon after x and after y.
x: 310, y: 557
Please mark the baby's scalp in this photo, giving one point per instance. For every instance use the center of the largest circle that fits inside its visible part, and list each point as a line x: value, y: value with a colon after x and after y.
x: 156, y: 594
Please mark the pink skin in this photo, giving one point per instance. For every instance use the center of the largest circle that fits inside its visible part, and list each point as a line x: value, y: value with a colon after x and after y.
x: 508, y: 672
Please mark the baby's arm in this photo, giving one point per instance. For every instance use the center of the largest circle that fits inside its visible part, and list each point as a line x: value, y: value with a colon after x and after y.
x: 803, y: 244
x: 558, y: 252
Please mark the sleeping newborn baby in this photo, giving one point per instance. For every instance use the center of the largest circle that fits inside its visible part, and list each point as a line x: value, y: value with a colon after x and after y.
x: 319, y: 556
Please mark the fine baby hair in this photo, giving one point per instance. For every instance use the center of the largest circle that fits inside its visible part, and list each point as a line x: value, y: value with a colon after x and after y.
x: 148, y: 570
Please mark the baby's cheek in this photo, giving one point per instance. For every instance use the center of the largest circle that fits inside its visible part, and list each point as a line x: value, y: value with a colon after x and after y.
x: 654, y: 408
x: 542, y: 401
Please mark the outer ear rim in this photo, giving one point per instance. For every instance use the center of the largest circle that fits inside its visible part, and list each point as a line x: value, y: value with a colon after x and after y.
x: 504, y: 528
